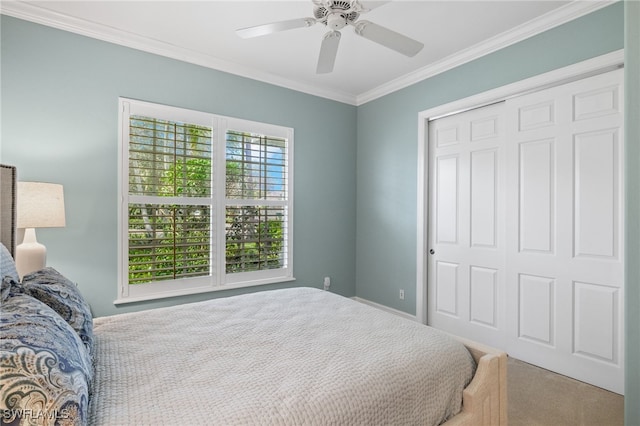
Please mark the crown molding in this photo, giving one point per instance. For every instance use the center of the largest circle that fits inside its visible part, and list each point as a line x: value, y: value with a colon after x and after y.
x: 529, y: 29
x: 39, y: 15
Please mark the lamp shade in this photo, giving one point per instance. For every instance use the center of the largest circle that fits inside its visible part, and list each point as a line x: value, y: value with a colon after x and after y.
x: 40, y: 205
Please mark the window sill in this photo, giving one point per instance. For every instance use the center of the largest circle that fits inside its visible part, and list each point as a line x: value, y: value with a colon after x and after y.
x: 200, y: 290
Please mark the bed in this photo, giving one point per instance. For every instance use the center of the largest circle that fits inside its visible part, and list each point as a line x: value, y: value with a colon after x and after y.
x: 290, y: 356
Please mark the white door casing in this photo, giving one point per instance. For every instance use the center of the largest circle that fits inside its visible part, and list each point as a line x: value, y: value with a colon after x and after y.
x: 526, y: 226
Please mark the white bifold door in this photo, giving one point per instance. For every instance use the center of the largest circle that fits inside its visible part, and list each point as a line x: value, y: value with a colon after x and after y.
x: 526, y: 230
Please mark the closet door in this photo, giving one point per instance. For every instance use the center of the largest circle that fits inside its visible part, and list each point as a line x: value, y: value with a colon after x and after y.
x: 565, y: 229
x: 526, y: 230
x: 466, y: 271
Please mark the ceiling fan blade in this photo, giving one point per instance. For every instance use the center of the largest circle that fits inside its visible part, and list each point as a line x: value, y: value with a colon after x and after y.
x: 328, y: 52
x: 388, y: 38
x: 260, y: 30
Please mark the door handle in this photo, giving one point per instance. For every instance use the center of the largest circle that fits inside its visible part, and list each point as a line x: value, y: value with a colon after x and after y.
x: 432, y: 251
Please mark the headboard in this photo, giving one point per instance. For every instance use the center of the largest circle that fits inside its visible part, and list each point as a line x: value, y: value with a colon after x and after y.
x: 8, y: 207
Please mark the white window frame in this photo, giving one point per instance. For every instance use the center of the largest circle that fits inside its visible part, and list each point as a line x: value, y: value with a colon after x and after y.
x: 218, y: 279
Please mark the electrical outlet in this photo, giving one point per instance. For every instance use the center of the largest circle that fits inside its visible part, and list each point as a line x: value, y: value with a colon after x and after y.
x: 327, y: 283
x: 401, y: 294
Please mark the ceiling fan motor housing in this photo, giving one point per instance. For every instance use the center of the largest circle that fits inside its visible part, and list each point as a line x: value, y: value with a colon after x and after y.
x: 336, y: 14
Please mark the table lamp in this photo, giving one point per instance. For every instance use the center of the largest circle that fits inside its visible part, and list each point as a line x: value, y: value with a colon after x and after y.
x: 39, y: 205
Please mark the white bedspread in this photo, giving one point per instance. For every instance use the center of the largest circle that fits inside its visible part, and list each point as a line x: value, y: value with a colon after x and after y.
x: 295, y: 356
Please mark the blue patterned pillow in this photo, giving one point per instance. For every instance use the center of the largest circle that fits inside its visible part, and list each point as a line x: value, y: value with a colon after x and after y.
x: 10, y: 287
x: 7, y: 264
x: 59, y: 293
x: 45, y: 370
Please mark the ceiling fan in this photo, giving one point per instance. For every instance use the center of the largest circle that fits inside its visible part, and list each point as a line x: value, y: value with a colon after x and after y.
x: 336, y: 14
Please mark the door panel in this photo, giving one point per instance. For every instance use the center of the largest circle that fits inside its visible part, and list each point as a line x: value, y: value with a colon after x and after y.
x: 596, y: 333
x: 483, y: 184
x: 466, y: 272
x: 536, y: 299
x: 564, y: 168
x: 484, y: 296
x: 596, y: 185
x: 536, y: 210
x: 447, y: 200
x: 447, y: 288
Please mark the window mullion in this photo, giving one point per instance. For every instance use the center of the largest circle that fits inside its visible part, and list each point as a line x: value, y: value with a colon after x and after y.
x: 255, y: 202
x: 218, y: 231
x: 182, y: 201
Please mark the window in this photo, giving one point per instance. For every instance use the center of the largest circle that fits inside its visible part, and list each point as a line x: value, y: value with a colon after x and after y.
x: 206, y: 202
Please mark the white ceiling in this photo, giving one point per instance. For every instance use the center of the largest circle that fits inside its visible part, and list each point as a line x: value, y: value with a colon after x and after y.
x: 203, y: 32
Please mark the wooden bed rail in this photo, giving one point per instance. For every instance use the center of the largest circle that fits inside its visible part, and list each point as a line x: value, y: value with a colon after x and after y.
x: 484, y: 400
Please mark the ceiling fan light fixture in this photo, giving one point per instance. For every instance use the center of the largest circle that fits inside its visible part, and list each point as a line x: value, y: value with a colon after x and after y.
x: 336, y: 21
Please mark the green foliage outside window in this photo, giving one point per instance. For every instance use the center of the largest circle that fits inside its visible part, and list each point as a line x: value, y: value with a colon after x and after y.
x: 254, y: 239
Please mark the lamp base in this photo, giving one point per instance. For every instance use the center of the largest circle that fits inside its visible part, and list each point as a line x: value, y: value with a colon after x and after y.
x: 30, y: 255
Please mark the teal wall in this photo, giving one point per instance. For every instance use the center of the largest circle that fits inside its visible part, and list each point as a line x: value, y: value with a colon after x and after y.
x: 60, y: 121
x: 388, y: 145
x: 632, y: 198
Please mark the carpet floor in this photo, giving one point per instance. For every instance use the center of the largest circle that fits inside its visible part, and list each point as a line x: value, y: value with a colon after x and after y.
x: 538, y: 397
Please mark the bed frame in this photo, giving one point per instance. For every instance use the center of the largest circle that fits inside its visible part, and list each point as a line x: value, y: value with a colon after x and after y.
x: 484, y: 400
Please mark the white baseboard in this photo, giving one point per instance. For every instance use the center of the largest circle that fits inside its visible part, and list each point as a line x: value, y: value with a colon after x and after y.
x: 386, y: 308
